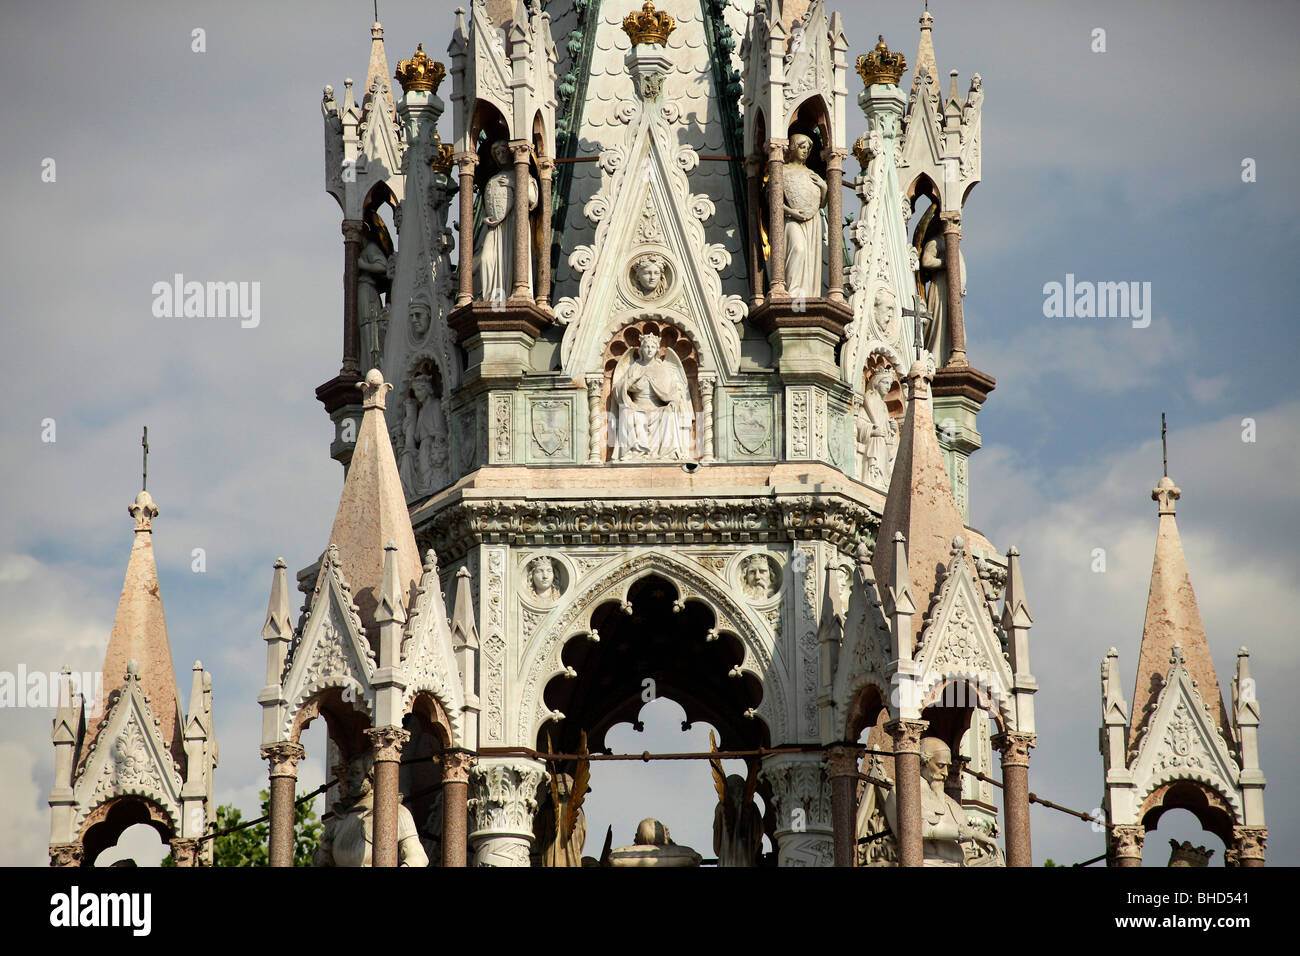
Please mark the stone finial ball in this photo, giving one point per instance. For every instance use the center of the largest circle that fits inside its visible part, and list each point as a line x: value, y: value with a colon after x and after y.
x: 374, y: 378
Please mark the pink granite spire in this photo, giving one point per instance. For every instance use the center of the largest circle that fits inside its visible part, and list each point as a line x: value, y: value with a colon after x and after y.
x: 140, y: 635
x: 920, y: 503
x: 372, y: 511
x: 1172, y: 618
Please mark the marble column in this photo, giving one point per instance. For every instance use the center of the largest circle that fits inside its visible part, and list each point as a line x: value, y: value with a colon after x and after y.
x: 66, y: 854
x: 842, y: 765
x: 1124, y: 845
x: 801, y: 796
x: 456, y: 765
x: 1014, y: 748
x: 952, y: 266
x: 546, y: 172
x: 522, y: 153
x: 501, y: 810
x: 283, y: 759
x: 386, y: 745
x: 185, y: 852
x: 906, y: 735
x: 835, y: 222
x: 776, y: 218
x: 1249, y: 845
x: 705, y: 423
x: 596, y: 424
x: 754, y: 254
x: 354, y: 234
x: 465, y: 270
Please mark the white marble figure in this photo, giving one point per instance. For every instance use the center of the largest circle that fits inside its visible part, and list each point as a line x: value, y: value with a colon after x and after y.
x: 654, y: 406
x: 756, y: 578
x: 805, y: 194
x: 542, y: 586
x: 943, y: 821
x: 877, y: 431
x: 495, y: 243
x: 424, y: 450
x: 372, y: 279
x: 653, y: 846
x: 346, y: 838
x: 649, y: 276
x: 938, y: 337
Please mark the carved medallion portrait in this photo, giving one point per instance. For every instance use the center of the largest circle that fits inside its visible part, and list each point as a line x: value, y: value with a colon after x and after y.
x: 759, y: 577
x: 545, y: 580
x: 650, y: 276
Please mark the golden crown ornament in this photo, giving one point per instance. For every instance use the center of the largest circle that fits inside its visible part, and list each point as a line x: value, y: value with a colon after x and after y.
x: 881, y: 65
x: 649, y: 26
x: 420, y: 73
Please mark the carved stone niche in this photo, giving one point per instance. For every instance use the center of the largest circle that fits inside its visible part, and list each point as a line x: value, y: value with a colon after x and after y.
x: 420, y: 433
x: 675, y: 347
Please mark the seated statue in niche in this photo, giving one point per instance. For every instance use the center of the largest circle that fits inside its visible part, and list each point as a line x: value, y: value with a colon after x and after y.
x: 805, y: 195
x: 494, y: 245
x: 346, y: 838
x: 944, y: 826
x: 424, y: 447
x: 653, y: 400
x: 756, y: 575
x: 542, y: 587
x: 877, y: 431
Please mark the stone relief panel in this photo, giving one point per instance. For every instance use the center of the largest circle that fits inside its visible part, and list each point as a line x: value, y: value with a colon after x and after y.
x: 550, y: 429
x: 758, y: 577
x: 753, y: 427
x: 502, y: 429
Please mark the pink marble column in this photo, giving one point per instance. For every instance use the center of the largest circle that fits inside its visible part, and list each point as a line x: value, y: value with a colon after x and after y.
x: 521, y: 152
x: 952, y: 268
x: 842, y: 767
x: 456, y: 765
x: 776, y: 218
x: 835, y: 221
x: 906, y: 735
x: 354, y: 234
x: 283, y: 759
x: 754, y: 254
x: 465, y: 269
x: 386, y: 744
x: 1015, y: 793
x: 546, y: 172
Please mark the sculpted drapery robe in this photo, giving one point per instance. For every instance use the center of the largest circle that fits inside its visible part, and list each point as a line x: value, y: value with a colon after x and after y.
x: 495, y: 243
x: 654, y: 411
x: 805, y: 192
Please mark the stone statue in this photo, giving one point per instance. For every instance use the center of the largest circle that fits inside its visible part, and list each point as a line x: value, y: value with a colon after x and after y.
x: 756, y: 577
x: 542, y: 586
x: 653, y: 846
x: 495, y: 243
x: 555, y: 850
x: 654, y: 406
x: 934, y: 275
x: 883, y: 315
x: 943, y: 821
x: 650, y: 277
x: 737, y: 824
x: 372, y: 279
x: 877, y: 431
x: 346, y: 839
x: 418, y: 313
x: 805, y: 194
x: 424, y: 449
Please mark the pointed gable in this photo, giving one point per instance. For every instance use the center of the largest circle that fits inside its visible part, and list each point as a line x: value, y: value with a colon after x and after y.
x: 428, y: 656
x: 1172, y: 618
x: 372, y: 511
x: 140, y: 635
x: 920, y: 502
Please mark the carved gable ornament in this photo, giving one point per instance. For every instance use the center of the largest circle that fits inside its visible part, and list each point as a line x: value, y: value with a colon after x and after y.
x: 961, y: 641
x: 130, y: 758
x: 332, y: 651
x: 428, y: 659
x: 1182, y: 742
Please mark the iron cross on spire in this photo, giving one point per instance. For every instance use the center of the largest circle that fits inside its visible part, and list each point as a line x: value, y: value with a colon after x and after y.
x: 144, y: 444
x: 919, y: 315
x: 1164, y: 446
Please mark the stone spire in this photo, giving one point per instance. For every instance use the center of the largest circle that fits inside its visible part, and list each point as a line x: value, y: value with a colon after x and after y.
x: 920, y: 502
x: 1172, y: 619
x: 140, y: 635
x: 378, y: 85
x: 925, y: 56
x: 372, y: 511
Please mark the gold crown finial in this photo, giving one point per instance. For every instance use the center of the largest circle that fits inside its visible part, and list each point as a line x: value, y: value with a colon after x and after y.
x: 881, y: 65
x: 649, y: 26
x: 420, y: 73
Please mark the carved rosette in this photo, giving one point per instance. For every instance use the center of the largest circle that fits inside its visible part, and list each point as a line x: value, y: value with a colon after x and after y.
x: 386, y: 742
x: 283, y: 758
x: 502, y: 803
x: 1014, y: 748
x: 802, y: 798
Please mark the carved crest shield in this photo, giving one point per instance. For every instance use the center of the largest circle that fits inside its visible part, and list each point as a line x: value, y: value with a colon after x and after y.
x: 551, y: 426
x: 750, y: 420
x: 838, y: 442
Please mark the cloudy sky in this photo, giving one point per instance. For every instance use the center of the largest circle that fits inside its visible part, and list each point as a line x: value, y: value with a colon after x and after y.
x: 1123, y: 165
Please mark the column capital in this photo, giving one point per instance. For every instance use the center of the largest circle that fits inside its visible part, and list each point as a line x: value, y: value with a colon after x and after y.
x: 456, y: 766
x: 284, y: 758
x: 66, y: 854
x: 387, y: 742
x: 1249, y: 845
x: 1014, y: 747
x: 185, y: 851
x: 521, y: 151
x: 1125, y: 842
x: 842, y: 760
x: 834, y: 157
x: 775, y: 148
x: 801, y: 797
x: 951, y: 220
x: 545, y: 166
x: 354, y: 230
x: 502, y: 803
x: 906, y: 735
x: 466, y: 161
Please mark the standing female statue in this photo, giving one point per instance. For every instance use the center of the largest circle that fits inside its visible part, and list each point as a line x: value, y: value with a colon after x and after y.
x: 805, y: 194
x: 494, y: 245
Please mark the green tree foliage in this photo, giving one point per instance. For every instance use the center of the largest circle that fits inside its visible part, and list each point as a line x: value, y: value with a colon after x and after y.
x: 247, y: 847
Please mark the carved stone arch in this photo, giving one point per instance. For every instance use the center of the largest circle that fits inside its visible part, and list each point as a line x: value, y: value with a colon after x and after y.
x: 811, y: 116
x: 869, y: 706
x: 426, y: 706
x: 344, y: 719
x: 922, y: 185
x: 542, y: 659
x: 675, y: 335
x: 1215, y: 809
x: 488, y: 124
x: 952, y: 703
x: 108, y: 820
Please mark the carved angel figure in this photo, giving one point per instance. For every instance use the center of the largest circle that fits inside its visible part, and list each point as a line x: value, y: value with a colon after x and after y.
x: 737, y: 824
x: 654, y: 405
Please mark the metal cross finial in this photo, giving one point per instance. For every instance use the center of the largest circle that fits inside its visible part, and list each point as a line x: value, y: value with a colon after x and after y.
x: 1164, y: 446
x: 144, y: 444
x: 919, y: 314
